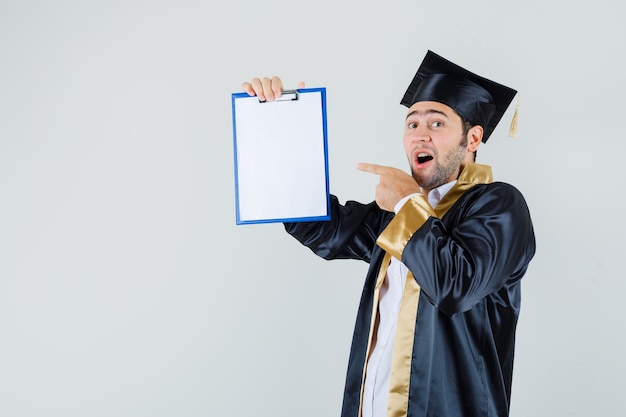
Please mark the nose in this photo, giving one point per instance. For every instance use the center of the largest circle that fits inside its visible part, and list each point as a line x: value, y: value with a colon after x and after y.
x: 419, y: 134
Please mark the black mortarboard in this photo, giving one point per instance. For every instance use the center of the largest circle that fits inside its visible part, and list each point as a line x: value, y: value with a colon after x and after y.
x: 478, y: 100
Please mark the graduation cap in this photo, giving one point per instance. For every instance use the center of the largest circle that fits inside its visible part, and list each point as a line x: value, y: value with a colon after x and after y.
x: 477, y: 99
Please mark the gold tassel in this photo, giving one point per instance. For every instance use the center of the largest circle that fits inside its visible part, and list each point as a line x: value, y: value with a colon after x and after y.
x: 513, y: 128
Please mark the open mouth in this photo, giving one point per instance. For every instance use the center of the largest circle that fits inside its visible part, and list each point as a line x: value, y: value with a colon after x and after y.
x: 423, y: 158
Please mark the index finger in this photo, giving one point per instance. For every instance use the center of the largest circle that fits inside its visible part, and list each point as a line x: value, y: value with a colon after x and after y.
x: 246, y: 87
x: 372, y: 168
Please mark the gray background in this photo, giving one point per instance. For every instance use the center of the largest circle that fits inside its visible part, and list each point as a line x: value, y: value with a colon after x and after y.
x: 126, y: 289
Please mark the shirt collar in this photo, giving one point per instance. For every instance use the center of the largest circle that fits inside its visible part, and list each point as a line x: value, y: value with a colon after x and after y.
x: 436, y: 194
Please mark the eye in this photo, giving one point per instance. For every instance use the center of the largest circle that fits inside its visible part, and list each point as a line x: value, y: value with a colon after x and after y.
x: 437, y: 124
x: 411, y: 125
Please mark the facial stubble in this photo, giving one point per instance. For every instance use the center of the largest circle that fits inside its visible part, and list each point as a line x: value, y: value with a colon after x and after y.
x: 443, y: 172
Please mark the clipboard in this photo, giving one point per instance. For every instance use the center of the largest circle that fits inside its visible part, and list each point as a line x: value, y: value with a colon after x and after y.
x: 281, y: 157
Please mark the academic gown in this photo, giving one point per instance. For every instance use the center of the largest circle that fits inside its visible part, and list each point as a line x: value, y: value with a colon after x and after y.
x: 454, y: 343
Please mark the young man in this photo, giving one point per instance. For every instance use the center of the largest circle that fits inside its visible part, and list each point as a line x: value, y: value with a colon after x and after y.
x: 447, y: 248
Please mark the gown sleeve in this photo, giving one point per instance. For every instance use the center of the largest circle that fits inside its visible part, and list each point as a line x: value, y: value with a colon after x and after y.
x: 475, y: 250
x: 350, y: 233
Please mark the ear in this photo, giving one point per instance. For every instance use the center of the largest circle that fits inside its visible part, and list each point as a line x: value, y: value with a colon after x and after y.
x: 474, y: 138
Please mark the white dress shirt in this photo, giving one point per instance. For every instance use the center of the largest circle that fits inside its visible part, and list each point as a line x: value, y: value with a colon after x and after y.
x: 378, y: 372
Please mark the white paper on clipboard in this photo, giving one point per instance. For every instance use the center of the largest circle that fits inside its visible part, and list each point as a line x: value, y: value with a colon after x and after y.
x: 281, y: 157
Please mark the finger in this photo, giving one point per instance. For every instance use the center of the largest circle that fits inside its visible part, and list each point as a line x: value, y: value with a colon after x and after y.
x: 277, y: 86
x: 257, y: 86
x: 301, y: 85
x: 267, y: 89
x: 372, y: 168
x: 247, y: 88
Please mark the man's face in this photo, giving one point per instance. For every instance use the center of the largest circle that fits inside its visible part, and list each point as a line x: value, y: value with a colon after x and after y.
x: 434, y: 143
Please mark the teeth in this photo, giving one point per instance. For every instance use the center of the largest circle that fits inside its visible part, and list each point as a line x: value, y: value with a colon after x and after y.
x: 423, y: 157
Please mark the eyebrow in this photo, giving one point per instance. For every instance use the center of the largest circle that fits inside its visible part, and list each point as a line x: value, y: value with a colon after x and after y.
x: 429, y: 111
